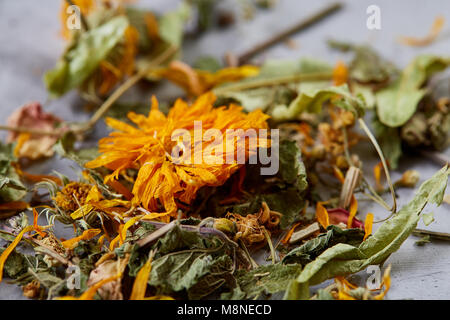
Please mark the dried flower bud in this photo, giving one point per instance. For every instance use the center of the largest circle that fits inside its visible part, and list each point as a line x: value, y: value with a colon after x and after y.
x: 71, y: 196
x: 318, y: 152
x: 409, y: 179
x: 225, y: 225
x: 341, y: 162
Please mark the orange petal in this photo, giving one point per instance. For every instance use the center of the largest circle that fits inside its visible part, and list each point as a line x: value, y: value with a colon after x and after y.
x: 140, y: 283
x: 289, y: 234
x: 340, y: 74
x: 338, y: 174
x: 353, y: 210
x: 368, y: 225
x: 37, y: 228
x: 14, y: 205
x: 377, y: 175
x: 436, y: 28
x: 322, y: 215
x: 90, y: 293
x: 87, y: 235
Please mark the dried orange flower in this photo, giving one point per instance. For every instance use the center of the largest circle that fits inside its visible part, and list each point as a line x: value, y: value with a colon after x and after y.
x: 71, y: 196
x: 250, y: 228
x: 161, y: 179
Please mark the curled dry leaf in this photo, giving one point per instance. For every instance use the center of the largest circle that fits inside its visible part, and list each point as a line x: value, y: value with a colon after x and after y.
x: 109, y: 268
x: 34, y: 146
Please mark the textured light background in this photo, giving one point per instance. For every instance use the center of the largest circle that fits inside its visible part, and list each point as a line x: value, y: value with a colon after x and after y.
x: 30, y: 44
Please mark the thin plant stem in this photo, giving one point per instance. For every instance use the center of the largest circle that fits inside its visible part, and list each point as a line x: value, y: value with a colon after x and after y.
x: 30, y: 131
x: 383, y: 161
x: 316, y: 76
x: 302, y: 25
x: 252, y: 261
x: 374, y: 196
x: 272, y: 250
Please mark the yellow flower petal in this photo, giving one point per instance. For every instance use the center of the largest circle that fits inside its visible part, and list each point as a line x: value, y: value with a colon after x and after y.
x: 87, y: 235
x: 11, y: 248
x: 368, y: 225
x: 322, y: 215
x: 353, y: 210
x: 140, y: 283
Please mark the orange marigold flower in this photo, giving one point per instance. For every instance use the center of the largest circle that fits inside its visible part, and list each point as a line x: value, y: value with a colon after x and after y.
x: 148, y: 148
x: 73, y: 194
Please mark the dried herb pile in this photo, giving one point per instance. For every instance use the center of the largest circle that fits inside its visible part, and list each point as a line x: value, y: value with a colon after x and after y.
x: 147, y: 227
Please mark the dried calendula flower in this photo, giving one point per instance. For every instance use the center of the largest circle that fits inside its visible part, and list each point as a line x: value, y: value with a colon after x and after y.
x: 409, y: 179
x: 72, y: 196
x: 162, y: 178
x: 251, y: 228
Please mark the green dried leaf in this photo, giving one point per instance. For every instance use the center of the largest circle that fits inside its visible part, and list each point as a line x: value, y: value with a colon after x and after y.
x: 83, y: 56
x: 267, y: 98
x: 343, y: 259
x: 311, y: 100
x: 313, y: 248
x: 267, y: 279
x: 196, y: 273
x: 428, y: 218
x: 366, y: 66
x: 397, y: 103
x: 171, y: 25
x: 15, y: 265
x: 11, y: 188
x: 390, y: 142
x: 208, y: 63
x: 65, y: 148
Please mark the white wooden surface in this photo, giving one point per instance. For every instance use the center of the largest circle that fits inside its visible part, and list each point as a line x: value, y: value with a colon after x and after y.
x: 30, y: 44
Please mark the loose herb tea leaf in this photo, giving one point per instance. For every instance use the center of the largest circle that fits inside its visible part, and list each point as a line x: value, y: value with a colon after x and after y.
x: 390, y: 142
x: 311, y: 100
x: 277, y: 84
x: 65, y: 147
x: 343, y: 259
x: 313, y: 248
x: 84, y: 55
x: 264, y: 280
x: 367, y: 66
x: 397, y: 103
x: 171, y: 25
x: 11, y: 187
